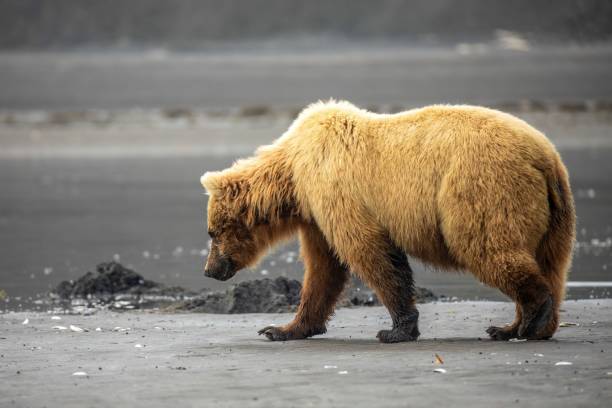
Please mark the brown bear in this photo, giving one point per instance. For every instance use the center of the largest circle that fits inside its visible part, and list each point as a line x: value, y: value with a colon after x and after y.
x: 463, y: 188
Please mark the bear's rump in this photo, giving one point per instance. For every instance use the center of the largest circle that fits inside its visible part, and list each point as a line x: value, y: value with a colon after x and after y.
x: 487, y: 211
x: 471, y: 213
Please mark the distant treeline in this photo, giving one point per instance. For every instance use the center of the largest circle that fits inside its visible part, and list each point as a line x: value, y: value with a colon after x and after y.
x: 189, y: 24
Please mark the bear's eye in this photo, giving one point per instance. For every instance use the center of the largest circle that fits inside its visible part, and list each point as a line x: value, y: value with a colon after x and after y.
x: 211, y: 234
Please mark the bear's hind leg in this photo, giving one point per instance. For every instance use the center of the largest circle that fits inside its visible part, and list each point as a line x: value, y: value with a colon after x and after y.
x: 324, y: 280
x: 518, y: 276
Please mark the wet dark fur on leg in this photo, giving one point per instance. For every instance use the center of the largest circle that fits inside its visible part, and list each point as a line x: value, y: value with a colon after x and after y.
x: 534, y: 313
x: 401, y: 306
x: 537, y: 320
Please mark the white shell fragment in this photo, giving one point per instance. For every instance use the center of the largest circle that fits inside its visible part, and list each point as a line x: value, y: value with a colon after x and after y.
x: 329, y: 366
x: 98, y: 329
x: 439, y: 370
x: 79, y: 374
x: 26, y: 321
x: 56, y: 318
x: 76, y: 329
x: 342, y: 372
x: 59, y: 328
x: 563, y: 363
x: 138, y: 345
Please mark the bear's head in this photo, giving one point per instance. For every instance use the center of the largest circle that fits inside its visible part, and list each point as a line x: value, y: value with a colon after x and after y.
x: 235, y: 244
x: 251, y: 206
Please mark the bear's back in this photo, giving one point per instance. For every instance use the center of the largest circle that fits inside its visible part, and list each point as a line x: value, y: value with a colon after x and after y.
x: 392, y: 167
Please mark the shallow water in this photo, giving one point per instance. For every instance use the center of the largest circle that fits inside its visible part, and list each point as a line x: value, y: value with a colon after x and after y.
x: 59, y: 217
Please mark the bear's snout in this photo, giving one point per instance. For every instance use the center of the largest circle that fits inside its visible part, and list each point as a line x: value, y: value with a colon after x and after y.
x: 221, y: 268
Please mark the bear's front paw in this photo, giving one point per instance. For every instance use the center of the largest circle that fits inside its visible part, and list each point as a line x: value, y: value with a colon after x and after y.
x: 398, y: 334
x: 276, y: 333
x: 286, y: 333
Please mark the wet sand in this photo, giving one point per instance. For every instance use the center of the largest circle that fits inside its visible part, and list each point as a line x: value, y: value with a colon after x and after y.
x: 218, y: 360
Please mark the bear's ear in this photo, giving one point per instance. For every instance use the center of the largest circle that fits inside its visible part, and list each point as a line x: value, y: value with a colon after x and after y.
x: 211, y: 181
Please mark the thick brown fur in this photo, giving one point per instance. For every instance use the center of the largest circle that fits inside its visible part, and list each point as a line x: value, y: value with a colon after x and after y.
x: 459, y: 187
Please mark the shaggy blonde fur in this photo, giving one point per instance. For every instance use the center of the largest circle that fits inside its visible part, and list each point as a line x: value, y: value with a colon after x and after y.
x: 458, y: 187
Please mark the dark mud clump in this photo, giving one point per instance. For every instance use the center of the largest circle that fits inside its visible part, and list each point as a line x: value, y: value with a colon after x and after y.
x: 114, y: 286
x: 111, y: 278
x: 257, y: 296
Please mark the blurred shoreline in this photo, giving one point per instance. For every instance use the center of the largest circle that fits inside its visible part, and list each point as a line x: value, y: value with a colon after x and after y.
x: 182, y: 132
x: 472, y: 73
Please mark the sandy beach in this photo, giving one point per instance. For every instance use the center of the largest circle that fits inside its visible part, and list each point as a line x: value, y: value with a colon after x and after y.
x: 152, y: 359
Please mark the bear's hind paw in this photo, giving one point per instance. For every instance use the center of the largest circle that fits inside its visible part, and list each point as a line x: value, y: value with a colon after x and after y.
x: 502, y: 333
x: 536, y: 321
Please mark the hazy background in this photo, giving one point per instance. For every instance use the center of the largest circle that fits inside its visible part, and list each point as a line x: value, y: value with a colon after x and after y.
x: 110, y: 112
x: 198, y: 24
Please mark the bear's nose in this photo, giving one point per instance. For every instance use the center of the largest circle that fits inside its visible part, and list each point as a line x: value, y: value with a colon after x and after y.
x: 221, y: 269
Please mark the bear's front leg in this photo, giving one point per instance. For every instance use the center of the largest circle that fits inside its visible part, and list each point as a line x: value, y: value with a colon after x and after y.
x: 324, y: 279
x: 398, y: 295
x: 385, y: 268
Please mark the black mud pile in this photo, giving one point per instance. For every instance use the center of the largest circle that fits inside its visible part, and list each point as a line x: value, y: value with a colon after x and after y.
x: 111, y: 278
x: 114, y: 286
x: 256, y: 296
